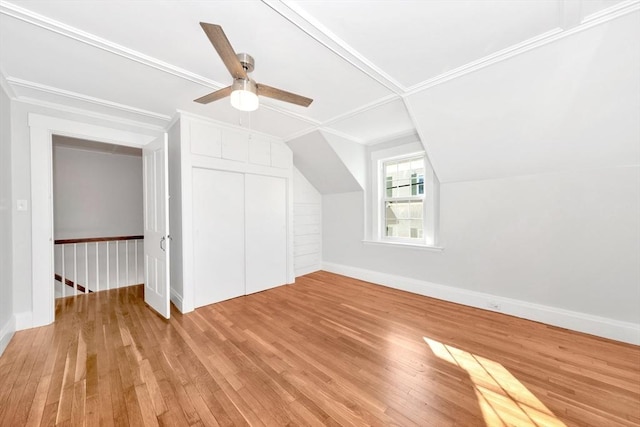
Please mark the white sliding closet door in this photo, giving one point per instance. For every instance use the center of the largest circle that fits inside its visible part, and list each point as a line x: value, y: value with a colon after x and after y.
x: 218, y: 231
x: 266, y: 232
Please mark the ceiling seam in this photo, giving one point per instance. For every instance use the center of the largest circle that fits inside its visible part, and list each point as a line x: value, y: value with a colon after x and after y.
x: 325, y: 37
x: 370, y: 106
x: 81, y: 36
x: 527, y: 45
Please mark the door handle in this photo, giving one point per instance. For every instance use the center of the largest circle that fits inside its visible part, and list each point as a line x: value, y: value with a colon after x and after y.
x: 162, y: 243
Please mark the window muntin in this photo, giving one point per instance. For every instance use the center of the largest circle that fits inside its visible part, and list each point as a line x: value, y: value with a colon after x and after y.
x: 403, y: 209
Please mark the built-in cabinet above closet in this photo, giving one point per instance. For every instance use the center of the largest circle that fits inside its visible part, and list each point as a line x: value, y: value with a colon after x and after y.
x: 231, y: 212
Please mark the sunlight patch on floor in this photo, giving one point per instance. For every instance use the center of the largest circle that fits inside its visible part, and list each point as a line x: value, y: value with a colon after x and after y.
x: 503, y: 399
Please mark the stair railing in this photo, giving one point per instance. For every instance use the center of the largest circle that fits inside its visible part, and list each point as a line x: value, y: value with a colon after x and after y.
x: 97, y: 263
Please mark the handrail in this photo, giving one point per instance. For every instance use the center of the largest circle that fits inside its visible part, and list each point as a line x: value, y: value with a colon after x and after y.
x: 97, y: 239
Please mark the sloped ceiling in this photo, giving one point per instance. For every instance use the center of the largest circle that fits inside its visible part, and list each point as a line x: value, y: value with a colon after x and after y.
x: 493, y: 88
x: 324, y: 168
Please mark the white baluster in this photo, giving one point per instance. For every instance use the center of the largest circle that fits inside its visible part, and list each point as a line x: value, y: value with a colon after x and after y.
x: 75, y: 270
x: 86, y: 267
x: 126, y: 252
x: 108, y: 281
x: 136, y: 258
x: 97, y: 269
x: 64, y: 285
x: 117, y: 264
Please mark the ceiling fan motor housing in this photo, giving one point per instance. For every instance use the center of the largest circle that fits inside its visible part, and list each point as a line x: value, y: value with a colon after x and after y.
x: 245, y: 84
x: 247, y: 61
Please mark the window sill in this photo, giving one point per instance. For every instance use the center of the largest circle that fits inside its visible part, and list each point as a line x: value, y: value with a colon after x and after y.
x: 404, y: 245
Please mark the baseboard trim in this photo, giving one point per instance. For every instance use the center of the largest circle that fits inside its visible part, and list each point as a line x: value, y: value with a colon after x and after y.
x: 306, y: 270
x: 595, y: 325
x: 24, y: 320
x: 7, y: 333
x: 176, y: 299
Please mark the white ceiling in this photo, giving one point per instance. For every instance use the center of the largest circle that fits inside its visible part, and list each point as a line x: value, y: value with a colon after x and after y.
x: 375, y: 69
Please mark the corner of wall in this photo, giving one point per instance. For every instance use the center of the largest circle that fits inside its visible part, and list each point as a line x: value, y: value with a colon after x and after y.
x: 6, y: 333
x: 176, y: 299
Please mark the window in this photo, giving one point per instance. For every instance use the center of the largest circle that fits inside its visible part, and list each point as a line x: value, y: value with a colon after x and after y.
x: 403, y: 197
x: 403, y: 215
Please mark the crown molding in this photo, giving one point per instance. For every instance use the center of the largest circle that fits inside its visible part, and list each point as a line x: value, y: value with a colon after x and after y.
x: 49, y: 24
x: 89, y: 113
x: 612, y: 12
x: 601, y: 17
x: 85, y: 98
x: 314, y: 29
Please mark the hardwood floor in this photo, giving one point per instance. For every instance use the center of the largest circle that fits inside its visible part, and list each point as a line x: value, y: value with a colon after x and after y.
x: 328, y: 350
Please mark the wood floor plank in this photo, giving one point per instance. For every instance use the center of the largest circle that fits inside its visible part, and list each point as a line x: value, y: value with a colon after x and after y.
x: 328, y: 350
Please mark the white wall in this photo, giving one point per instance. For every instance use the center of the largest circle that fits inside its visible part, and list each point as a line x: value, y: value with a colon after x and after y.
x: 563, y: 242
x: 7, y: 321
x: 96, y: 194
x: 307, y: 225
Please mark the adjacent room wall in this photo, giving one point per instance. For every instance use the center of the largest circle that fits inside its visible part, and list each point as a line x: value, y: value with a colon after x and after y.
x: 96, y: 194
x: 307, y: 225
x: 7, y: 320
x: 564, y: 241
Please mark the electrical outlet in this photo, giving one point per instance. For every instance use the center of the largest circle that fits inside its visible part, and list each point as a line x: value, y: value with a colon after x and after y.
x: 493, y: 305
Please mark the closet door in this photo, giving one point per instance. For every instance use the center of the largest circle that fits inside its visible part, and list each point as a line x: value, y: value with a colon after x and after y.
x: 266, y: 232
x: 218, y: 225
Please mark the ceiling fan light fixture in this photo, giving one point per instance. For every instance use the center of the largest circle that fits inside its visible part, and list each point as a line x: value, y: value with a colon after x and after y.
x: 244, y: 95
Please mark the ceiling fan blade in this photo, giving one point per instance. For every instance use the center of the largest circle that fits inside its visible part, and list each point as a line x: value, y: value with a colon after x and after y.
x: 214, y: 96
x: 221, y: 43
x: 283, y: 95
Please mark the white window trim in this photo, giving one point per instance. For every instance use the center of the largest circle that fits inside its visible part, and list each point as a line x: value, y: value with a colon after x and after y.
x: 375, y: 227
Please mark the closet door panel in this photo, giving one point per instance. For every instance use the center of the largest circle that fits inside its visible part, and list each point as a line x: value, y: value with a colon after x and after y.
x: 266, y: 232
x: 218, y: 225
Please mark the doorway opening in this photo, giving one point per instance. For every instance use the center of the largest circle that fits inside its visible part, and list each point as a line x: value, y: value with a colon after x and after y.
x: 153, y: 142
x: 98, y: 216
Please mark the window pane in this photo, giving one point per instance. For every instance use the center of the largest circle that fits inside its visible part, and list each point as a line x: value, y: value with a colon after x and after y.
x: 404, y: 178
x: 403, y: 219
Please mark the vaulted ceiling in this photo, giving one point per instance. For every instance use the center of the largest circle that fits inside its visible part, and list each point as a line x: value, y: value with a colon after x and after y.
x: 493, y: 88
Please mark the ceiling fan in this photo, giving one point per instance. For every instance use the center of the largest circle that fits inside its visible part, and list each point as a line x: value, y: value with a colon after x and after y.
x: 244, y: 91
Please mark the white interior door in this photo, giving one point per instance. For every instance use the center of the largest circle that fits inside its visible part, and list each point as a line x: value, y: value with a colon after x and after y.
x: 156, y: 225
x: 218, y: 235
x: 266, y: 232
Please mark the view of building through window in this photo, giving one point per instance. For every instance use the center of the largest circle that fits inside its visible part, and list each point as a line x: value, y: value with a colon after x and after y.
x: 404, y: 198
